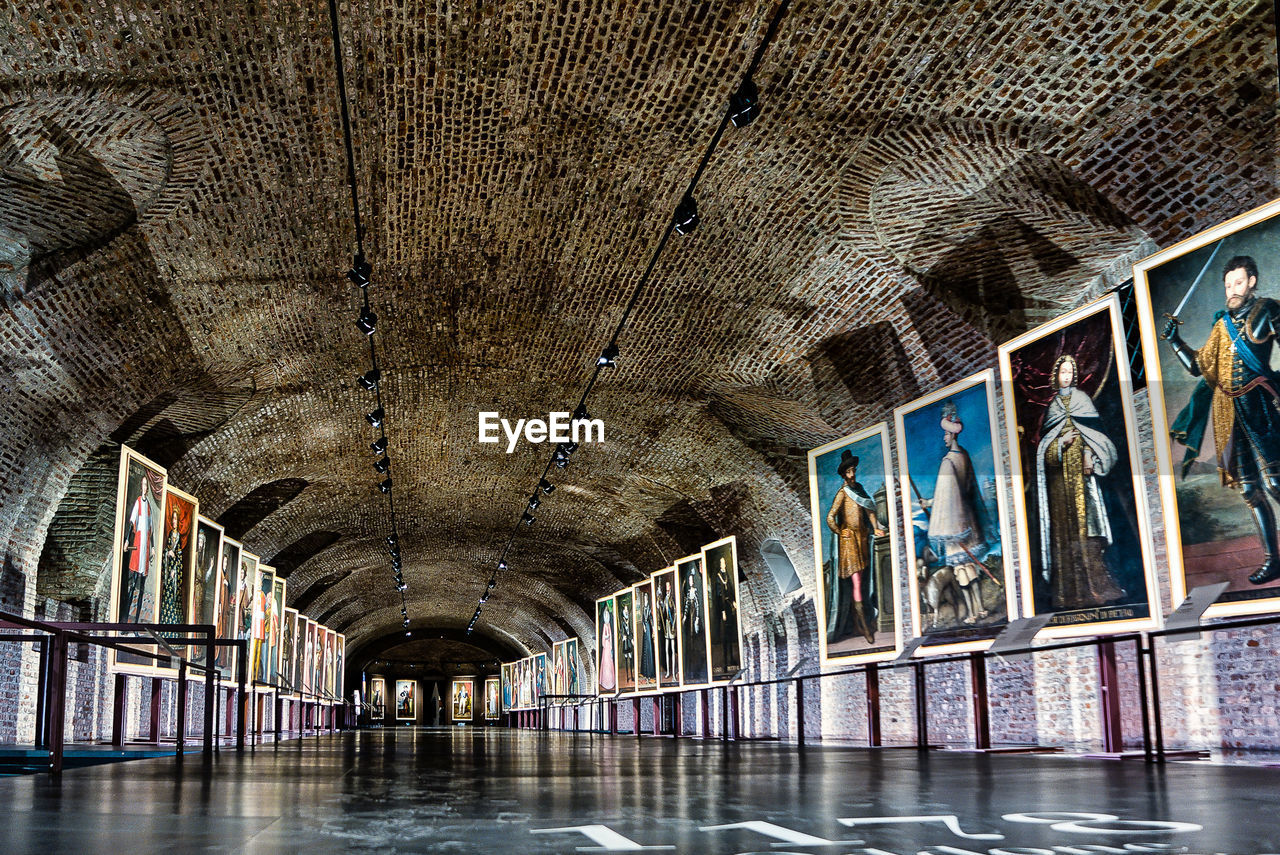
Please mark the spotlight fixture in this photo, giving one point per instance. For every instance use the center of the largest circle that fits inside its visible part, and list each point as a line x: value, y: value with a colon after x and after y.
x: 379, y: 445
x: 484, y: 598
x: 360, y: 271
x: 686, y: 216
x: 527, y: 518
x: 493, y: 583
x: 385, y: 486
x: 375, y: 418
x: 534, y: 502
x: 502, y: 564
x: 382, y: 465
x: 609, y: 355
x: 393, y: 541
x: 546, y: 487
x: 406, y: 623
x: 581, y: 414
x: 369, y: 380
x: 395, y: 563
x: 744, y: 105
x: 560, y: 459
x: 402, y: 586
x: 368, y: 321
x: 570, y: 447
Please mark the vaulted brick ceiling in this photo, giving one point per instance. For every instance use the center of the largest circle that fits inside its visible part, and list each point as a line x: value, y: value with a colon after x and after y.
x: 927, y: 179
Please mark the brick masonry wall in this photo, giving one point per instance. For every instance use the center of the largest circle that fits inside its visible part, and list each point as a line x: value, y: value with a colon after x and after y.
x: 873, y: 235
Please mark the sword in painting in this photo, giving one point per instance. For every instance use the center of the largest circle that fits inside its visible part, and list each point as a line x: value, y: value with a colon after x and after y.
x: 1175, y: 317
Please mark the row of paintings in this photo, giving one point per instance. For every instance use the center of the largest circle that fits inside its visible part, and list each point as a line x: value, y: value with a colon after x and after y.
x: 1080, y: 521
x: 678, y: 628
x: 171, y: 565
x: 524, y: 682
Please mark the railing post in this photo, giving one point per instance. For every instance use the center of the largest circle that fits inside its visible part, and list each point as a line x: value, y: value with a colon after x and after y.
x: 210, y: 694
x: 279, y: 712
x: 120, y: 698
x: 981, y: 709
x: 182, y: 706
x: 42, y: 690
x: 704, y: 700
x: 657, y: 715
x: 800, y: 710
x: 873, y: 706
x: 156, y: 687
x: 57, y: 707
x: 242, y: 697
x: 1155, y: 699
x: 1109, y: 698
x: 922, y: 711
x: 1141, y: 663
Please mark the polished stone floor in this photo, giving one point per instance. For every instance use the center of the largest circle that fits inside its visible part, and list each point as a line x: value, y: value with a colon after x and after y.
x: 459, y: 790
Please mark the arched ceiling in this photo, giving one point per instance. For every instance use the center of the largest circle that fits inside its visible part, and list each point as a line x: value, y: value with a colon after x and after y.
x: 926, y: 179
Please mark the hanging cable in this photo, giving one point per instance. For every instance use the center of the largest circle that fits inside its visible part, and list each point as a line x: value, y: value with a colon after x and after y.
x: 361, y: 275
x: 742, y: 109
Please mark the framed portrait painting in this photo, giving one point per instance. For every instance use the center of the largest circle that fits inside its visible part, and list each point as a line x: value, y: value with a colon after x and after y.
x: 558, y: 674
x: 204, y: 598
x: 1208, y: 314
x: 378, y: 698
x: 626, y: 614
x: 951, y: 476
x: 506, y: 686
x: 406, y: 700
x: 667, y: 609
x: 228, y: 579
x: 1084, y: 540
x: 492, y: 698
x: 492, y: 692
x: 177, y: 564
x: 724, y: 633
x: 573, y: 669
x: 606, y: 647
x: 692, y: 629
x: 138, y: 539
x: 462, y: 692
x: 854, y: 514
x: 339, y: 664
x: 645, y: 639
x: 288, y: 650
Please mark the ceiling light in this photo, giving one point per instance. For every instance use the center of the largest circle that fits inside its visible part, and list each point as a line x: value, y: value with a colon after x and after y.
x: 403, y: 587
x: 368, y: 321
x: 744, y: 105
x: 493, y: 583
x: 382, y: 465
x: 379, y: 445
x: 369, y: 380
x: 581, y: 414
x: 686, y: 216
x: 608, y: 356
x: 546, y: 487
x: 502, y: 564
x: 527, y: 518
x: 570, y: 447
x: 375, y: 418
x: 360, y: 271
x: 534, y: 502
x: 385, y: 486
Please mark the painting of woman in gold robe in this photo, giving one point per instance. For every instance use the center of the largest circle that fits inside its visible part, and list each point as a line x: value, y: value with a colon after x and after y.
x: 1084, y: 538
x: 1075, y: 531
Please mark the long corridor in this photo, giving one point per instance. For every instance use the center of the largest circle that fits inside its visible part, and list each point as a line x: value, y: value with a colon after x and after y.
x: 484, y: 791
